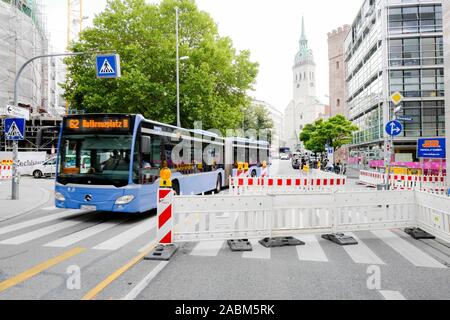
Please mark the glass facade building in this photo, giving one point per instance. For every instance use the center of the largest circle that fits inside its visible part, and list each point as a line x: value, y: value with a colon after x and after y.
x: 396, y: 45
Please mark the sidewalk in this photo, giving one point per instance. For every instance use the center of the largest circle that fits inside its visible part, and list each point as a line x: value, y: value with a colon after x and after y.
x: 32, y: 195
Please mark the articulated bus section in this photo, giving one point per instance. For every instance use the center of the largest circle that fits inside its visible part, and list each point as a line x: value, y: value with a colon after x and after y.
x: 112, y: 162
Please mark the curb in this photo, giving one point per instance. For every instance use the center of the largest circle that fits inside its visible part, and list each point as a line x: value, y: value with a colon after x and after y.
x: 45, y: 198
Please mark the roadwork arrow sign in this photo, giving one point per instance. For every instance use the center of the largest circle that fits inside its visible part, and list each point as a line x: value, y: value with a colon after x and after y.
x: 18, y: 112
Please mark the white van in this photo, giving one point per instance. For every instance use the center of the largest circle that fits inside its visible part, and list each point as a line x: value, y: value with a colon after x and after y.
x: 45, y: 169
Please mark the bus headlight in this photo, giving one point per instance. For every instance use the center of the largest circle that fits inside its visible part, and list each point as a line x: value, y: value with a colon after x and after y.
x: 124, y: 200
x: 59, y: 197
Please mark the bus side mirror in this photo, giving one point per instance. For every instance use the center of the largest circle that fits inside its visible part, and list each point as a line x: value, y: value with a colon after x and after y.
x: 146, y: 145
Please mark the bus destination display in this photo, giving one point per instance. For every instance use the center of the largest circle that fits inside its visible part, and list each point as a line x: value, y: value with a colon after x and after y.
x: 98, y: 124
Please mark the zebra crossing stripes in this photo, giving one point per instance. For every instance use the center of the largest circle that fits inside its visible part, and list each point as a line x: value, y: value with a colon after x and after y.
x: 207, y: 248
x: 34, y: 222
x: 413, y: 254
x: 81, y: 235
x: 126, y: 237
x: 33, y: 235
x: 259, y: 251
x: 311, y: 251
x: 392, y: 295
x: 361, y: 253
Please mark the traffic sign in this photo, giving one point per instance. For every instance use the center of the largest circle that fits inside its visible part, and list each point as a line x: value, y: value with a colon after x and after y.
x: 431, y: 148
x: 394, y: 128
x: 18, y: 112
x: 108, y: 66
x: 397, y: 98
x: 404, y: 119
x: 15, y: 129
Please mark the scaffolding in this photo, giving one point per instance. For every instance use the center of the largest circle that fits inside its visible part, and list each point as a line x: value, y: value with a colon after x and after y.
x: 22, y: 36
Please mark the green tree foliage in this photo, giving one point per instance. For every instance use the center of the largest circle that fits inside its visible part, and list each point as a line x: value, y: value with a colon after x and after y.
x: 336, y: 132
x: 213, y: 81
x: 257, y: 118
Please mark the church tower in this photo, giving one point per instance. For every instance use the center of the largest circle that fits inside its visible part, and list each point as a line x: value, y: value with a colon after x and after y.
x: 304, y: 69
x: 304, y: 108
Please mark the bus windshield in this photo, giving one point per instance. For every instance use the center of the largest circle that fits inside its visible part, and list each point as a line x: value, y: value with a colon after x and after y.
x: 96, y: 159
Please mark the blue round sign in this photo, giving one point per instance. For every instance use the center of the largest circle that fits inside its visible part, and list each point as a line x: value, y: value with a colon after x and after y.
x: 394, y: 128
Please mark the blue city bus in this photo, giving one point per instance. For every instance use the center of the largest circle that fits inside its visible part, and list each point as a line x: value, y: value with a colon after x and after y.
x: 111, y: 162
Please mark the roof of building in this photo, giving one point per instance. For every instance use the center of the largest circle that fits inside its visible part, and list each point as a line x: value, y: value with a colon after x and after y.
x: 305, y: 54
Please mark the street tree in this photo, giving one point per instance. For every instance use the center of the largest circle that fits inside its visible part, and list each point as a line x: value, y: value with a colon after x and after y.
x: 257, y: 118
x: 214, y: 80
x: 335, y: 132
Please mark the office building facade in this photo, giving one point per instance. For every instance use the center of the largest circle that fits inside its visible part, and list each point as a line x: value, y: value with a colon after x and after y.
x: 395, y: 45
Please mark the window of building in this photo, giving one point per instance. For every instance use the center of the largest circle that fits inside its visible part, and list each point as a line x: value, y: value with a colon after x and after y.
x: 338, y: 102
x: 337, y: 65
x: 415, y: 19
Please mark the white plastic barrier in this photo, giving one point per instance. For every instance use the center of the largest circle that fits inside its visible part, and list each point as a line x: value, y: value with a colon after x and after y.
x: 266, y: 185
x: 227, y: 217
x: 433, y: 214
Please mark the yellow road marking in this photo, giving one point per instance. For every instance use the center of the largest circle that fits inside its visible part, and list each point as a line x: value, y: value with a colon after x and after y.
x: 116, y: 274
x: 38, y: 269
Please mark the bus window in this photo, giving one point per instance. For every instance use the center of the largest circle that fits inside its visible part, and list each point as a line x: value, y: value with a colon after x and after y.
x: 253, y: 155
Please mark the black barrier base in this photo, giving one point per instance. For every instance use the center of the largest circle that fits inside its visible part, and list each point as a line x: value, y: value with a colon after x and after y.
x: 340, y: 239
x: 162, y: 253
x: 418, y: 234
x: 240, y: 245
x: 281, y: 242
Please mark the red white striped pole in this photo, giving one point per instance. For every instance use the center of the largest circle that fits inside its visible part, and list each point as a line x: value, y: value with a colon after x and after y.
x: 165, y: 198
x: 165, y: 216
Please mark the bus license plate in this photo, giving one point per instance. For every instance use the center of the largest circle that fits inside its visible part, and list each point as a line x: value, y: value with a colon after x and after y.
x: 92, y: 208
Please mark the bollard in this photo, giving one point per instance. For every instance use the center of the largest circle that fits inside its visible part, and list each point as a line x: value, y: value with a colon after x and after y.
x: 165, y: 248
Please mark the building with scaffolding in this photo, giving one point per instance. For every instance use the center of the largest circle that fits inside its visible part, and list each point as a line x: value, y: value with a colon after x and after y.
x: 23, y: 35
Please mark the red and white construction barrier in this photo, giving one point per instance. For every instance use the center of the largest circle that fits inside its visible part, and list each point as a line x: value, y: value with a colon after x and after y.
x: 283, y: 184
x: 5, y: 172
x: 165, y: 216
x: 404, y: 182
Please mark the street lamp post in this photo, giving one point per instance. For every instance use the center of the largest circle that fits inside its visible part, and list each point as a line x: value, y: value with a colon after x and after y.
x: 178, y: 66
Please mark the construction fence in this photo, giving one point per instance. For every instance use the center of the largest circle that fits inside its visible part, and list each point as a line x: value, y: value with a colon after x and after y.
x: 228, y: 217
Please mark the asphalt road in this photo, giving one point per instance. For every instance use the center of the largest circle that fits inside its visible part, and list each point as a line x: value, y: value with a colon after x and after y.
x: 61, y: 254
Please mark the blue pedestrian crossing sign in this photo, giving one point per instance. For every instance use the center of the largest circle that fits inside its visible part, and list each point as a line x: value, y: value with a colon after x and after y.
x: 108, y: 66
x: 394, y: 128
x: 15, y: 129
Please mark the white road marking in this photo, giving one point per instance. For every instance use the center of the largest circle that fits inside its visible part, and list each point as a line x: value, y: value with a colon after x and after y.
x: 33, y: 235
x: 50, y: 208
x: 125, y: 237
x: 392, y: 295
x: 147, y: 246
x: 361, y: 253
x: 413, y: 254
x: 146, y: 281
x: 259, y: 251
x: 37, y: 221
x: 311, y: 251
x: 81, y: 235
x: 207, y: 248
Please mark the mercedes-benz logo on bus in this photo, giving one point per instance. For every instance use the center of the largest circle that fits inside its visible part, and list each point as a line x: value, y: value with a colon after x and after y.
x: 88, y: 198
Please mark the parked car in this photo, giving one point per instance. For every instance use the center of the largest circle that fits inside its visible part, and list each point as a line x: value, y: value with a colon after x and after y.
x: 45, y: 169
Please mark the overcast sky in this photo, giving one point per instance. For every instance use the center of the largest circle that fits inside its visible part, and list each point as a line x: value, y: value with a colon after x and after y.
x: 270, y: 29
